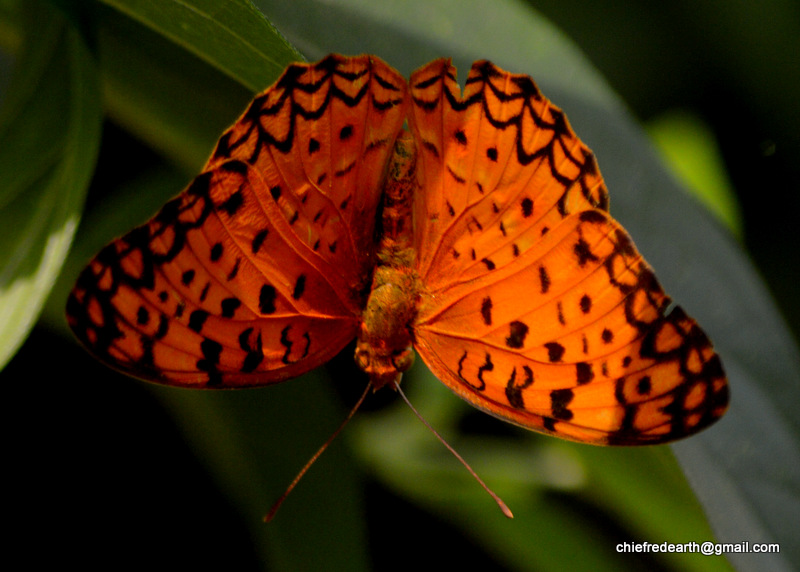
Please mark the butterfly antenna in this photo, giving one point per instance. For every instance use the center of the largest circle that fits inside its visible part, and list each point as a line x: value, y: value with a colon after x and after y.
x: 497, y: 499
x: 279, y: 502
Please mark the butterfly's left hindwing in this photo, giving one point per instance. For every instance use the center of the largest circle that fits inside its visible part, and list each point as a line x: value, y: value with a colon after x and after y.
x: 536, y: 306
x: 256, y: 272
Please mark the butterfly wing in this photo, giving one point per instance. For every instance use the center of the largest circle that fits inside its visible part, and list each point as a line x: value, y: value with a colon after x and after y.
x: 256, y: 272
x: 537, y: 307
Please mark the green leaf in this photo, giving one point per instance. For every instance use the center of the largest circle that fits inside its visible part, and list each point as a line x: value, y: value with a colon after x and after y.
x: 178, y: 73
x: 49, y: 136
x: 232, y: 36
x: 689, y: 147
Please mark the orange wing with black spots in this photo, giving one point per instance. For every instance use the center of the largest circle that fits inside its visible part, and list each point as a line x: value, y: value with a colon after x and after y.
x: 535, y: 305
x: 495, y: 257
x: 256, y: 272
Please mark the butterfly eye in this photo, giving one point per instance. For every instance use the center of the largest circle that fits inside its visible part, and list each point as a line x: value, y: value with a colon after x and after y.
x: 362, y: 358
x: 403, y: 359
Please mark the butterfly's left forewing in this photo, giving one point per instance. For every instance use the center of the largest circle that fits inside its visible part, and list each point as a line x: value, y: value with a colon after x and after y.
x: 536, y: 306
x: 256, y: 272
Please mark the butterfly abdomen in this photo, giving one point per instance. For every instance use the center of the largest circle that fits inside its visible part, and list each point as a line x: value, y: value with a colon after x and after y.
x: 384, y: 349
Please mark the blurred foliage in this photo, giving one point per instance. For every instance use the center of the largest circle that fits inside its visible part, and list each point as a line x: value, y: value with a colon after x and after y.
x: 688, y: 145
x: 145, y: 474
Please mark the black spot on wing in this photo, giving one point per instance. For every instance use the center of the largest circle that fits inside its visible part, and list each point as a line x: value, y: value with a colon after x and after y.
x: 258, y: 240
x: 211, y: 351
x: 216, y: 252
x: 514, y: 390
x: 517, y: 333
x: 544, y: 279
x: 559, y: 400
x: 232, y: 203
x: 584, y: 373
x: 266, y: 299
x: 584, y: 252
x: 253, y: 348
x: 527, y: 207
x: 486, y: 311
x: 555, y: 351
x: 235, y: 270
x: 196, y: 320
x: 229, y: 306
x: 299, y: 287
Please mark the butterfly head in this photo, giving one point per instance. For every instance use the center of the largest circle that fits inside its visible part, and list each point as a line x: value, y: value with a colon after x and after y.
x: 384, y: 367
x: 384, y: 349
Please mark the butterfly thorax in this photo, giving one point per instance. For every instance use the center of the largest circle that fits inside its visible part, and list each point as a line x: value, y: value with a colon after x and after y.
x: 384, y: 349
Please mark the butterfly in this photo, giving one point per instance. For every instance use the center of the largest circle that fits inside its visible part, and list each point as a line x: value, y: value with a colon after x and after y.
x: 478, y: 237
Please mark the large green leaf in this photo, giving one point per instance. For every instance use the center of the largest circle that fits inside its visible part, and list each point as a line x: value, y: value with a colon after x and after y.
x: 49, y: 136
x: 233, y: 36
x: 176, y: 73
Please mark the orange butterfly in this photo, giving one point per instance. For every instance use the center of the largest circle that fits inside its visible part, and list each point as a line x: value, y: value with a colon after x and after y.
x: 480, y: 238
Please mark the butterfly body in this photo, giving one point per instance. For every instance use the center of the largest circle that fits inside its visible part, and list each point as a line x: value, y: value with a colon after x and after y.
x: 479, y: 237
